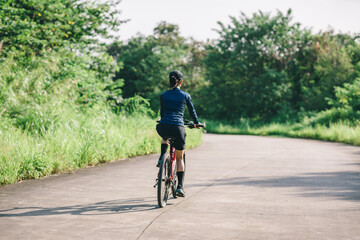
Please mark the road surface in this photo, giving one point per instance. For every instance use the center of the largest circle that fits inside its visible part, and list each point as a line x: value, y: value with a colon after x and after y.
x: 238, y: 187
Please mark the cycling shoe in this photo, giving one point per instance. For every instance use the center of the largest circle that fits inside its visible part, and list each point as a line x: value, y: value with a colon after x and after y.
x: 180, y: 192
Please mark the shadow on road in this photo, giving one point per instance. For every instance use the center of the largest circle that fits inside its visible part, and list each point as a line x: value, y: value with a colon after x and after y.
x: 99, y: 208
x: 338, y: 185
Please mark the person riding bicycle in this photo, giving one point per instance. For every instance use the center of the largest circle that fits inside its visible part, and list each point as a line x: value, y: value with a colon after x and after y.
x: 171, y: 125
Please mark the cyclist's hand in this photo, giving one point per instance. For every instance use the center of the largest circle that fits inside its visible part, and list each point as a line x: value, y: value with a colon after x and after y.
x: 199, y: 125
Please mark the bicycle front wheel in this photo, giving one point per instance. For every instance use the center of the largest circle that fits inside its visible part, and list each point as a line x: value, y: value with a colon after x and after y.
x: 163, y: 181
x: 174, y: 182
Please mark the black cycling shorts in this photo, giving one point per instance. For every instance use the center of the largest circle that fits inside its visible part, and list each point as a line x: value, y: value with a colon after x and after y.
x: 175, y: 132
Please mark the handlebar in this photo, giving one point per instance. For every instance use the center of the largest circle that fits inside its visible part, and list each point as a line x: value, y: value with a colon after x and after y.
x: 193, y: 125
x: 190, y: 124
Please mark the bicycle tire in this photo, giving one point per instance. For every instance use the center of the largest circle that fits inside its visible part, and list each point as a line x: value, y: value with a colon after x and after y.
x: 163, y: 181
x: 174, y: 183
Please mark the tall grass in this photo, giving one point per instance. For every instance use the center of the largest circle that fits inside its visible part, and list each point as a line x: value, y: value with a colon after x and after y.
x: 340, y: 131
x: 76, y: 140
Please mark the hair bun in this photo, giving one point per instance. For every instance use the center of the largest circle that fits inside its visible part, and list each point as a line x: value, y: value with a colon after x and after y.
x: 175, y: 77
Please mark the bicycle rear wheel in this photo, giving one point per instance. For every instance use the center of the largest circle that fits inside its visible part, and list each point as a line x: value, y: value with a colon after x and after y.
x: 163, y: 181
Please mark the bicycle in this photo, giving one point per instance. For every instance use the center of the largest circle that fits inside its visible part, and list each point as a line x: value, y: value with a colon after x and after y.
x: 166, y: 178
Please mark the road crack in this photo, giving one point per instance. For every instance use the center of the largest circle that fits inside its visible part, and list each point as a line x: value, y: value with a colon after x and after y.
x: 196, y: 193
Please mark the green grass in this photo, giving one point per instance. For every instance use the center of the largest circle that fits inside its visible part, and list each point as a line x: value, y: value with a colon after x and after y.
x: 77, y: 140
x: 342, y: 131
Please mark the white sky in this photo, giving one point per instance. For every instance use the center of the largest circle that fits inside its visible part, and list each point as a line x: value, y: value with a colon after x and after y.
x: 197, y: 18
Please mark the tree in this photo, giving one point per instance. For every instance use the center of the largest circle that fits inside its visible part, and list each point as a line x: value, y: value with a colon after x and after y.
x: 248, y: 67
x: 36, y: 25
x: 332, y: 68
x: 146, y: 62
x: 52, y: 35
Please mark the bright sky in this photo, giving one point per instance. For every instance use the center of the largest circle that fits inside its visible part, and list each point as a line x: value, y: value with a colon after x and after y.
x: 198, y: 18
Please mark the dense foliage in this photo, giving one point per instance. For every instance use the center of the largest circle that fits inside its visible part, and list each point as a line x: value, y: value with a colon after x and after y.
x: 37, y: 25
x: 264, y: 67
x: 269, y: 68
x: 146, y: 62
x: 60, y: 108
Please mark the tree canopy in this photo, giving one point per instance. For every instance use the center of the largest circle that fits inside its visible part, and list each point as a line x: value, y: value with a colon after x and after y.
x: 38, y: 25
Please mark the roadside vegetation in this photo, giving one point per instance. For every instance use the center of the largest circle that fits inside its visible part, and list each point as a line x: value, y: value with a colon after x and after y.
x: 340, y: 123
x: 264, y: 75
x: 343, y: 132
x: 68, y: 100
x: 60, y: 108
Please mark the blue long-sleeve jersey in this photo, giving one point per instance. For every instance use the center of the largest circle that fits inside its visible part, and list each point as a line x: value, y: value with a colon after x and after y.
x: 173, y: 104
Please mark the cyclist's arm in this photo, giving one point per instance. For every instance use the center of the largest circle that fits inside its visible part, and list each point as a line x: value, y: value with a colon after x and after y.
x: 191, y: 109
x: 161, y: 107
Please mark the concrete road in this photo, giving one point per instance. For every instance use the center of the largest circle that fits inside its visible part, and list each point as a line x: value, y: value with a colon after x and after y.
x: 238, y: 187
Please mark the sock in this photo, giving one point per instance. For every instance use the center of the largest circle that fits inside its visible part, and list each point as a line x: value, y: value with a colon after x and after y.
x: 180, y: 176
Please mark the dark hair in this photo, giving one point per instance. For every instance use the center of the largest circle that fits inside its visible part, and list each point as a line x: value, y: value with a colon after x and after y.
x: 175, y: 77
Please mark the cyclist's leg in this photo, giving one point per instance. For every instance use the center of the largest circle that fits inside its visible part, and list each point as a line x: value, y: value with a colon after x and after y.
x: 180, y: 172
x: 180, y: 146
x: 179, y: 160
x: 164, y: 146
x: 162, y: 130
